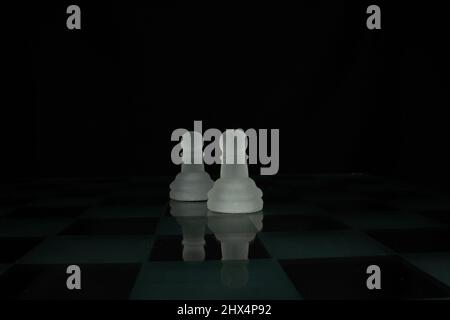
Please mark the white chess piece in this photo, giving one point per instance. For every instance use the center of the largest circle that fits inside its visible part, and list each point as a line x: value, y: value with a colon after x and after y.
x: 234, y: 191
x: 192, y: 183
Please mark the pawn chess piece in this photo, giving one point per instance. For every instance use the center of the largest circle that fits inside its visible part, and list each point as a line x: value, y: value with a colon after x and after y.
x: 192, y: 183
x: 191, y: 216
x: 234, y: 191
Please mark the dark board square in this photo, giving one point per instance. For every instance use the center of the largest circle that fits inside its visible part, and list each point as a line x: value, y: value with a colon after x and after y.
x: 152, y: 198
x: 48, y: 212
x: 356, y: 206
x: 11, y: 249
x: 131, y: 226
x: 345, y: 278
x: 14, y: 201
x: 414, y: 240
x: 441, y: 216
x: 382, y: 195
x: 33, y: 281
x: 170, y: 248
x: 292, y: 223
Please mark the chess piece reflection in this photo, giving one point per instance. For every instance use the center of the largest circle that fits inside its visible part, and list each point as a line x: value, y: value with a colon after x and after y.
x: 192, y: 183
x: 191, y: 216
x: 234, y: 191
x: 235, y: 232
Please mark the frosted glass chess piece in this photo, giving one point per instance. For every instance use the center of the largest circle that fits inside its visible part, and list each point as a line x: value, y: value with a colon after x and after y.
x: 234, y: 191
x: 235, y: 232
x: 191, y: 216
x: 192, y: 183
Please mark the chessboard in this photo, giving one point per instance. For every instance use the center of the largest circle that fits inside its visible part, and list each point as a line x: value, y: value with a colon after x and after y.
x: 316, y: 236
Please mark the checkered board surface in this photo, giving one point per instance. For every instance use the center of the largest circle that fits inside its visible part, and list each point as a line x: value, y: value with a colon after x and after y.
x: 319, y: 234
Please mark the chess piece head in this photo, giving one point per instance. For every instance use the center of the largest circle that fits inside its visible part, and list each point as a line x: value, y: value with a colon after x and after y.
x: 192, y: 183
x: 234, y: 191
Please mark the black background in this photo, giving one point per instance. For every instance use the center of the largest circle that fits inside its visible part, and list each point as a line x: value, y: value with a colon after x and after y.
x: 102, y: 101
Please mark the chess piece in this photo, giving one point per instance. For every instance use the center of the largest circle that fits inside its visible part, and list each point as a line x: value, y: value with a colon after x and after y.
x: 191, y: 216
x: 234, y: 191
x: 192, y: 183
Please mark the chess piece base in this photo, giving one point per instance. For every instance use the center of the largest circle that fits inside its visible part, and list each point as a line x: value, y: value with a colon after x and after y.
x: 191, y: 186
x: 235, y: 195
